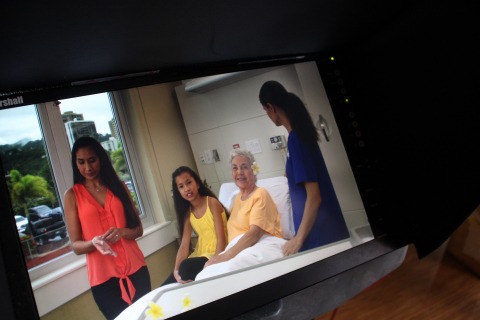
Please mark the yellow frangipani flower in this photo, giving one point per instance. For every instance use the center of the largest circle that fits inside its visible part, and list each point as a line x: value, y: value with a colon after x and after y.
x: 154, y: 312
x: 255, y: 168
x: 187, y: 303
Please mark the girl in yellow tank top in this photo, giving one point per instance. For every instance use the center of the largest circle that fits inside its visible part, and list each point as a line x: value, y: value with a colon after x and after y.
x: 204, y: 227
x: 198, y: 210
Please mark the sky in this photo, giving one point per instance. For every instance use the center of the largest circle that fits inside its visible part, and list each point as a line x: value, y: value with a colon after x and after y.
x: 21, y: 122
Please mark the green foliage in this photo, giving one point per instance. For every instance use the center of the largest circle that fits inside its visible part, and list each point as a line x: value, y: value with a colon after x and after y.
x: 135, y: 200
x: 118, y: 160
x: 30, y: 182
x: 29, y: 191
x: 30, y: 158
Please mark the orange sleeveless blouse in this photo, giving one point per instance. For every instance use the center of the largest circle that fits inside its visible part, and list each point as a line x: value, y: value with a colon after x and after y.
x: 96, y: 220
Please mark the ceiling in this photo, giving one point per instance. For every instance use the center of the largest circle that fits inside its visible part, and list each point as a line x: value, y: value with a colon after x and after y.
x: 49, y: 45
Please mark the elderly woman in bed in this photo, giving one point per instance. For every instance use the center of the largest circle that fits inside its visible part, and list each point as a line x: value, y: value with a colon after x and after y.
x: 254, y: 230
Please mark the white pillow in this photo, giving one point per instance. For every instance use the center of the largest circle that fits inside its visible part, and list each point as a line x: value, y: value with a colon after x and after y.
x: 278, y: 189
x: 226, y: 194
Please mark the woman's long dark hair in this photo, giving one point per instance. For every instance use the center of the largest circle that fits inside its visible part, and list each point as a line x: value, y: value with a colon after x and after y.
x: 108, y: 176
x: 182, y: 206
x: 274, y: 93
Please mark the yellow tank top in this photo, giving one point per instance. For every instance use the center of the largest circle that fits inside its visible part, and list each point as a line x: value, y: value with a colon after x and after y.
x: 205, y: 230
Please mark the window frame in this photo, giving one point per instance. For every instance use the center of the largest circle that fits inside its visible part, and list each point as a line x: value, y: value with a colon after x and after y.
x: 131, y: 156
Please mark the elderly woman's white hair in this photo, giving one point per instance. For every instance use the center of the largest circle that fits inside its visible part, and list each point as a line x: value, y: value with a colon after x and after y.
x: 242, y: 152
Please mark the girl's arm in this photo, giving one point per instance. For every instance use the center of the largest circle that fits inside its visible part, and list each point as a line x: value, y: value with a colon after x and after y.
x: 184, y: 249
x: 217, y: 210
x: 314, y: 199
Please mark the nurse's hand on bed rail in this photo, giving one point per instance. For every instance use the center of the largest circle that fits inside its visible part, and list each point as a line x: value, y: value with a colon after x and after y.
x: 292, y: 246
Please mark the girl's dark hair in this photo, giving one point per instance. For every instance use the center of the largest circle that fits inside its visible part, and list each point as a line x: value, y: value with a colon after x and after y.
x: 107, y: 175
x: 182, y: 206
x: 274, y: 93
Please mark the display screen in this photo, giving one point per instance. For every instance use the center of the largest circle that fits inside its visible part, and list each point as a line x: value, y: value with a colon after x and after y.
x: 219, y: 113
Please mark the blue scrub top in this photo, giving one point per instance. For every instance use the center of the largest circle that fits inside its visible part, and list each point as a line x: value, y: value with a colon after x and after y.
x: 305, y: 163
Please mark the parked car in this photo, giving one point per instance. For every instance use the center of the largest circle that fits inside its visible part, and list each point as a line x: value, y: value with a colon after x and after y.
x: 43, y: 212
x: 22, y: 223
x: 46, y: 229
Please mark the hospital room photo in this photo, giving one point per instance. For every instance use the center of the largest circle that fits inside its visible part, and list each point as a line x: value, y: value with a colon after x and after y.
x: 197, y: 123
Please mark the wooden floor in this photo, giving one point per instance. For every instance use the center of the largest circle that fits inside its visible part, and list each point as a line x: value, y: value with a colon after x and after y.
x: 436, y: 287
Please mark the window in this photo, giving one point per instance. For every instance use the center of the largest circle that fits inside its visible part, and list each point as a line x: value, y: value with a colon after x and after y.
x: 35, y: 144
x: 32, y: 189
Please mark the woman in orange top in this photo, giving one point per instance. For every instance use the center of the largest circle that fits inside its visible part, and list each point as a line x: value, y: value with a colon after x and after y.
x: 103, y: 223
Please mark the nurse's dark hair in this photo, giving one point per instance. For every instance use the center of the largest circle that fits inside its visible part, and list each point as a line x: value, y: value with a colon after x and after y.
x: 182, y: 206
x: 275, y: 93
x: 108, y: 177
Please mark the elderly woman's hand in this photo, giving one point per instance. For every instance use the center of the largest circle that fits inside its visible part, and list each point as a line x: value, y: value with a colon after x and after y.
x: 247, y: 240
x: 216, y: 259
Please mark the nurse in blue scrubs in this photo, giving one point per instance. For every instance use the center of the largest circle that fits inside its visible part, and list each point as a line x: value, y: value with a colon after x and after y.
x: 317, y: 215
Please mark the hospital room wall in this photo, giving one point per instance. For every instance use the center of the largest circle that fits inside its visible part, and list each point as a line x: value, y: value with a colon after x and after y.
x: 162, y: 144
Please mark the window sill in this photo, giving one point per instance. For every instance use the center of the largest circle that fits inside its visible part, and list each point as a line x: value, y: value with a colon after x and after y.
x: 66, y: 283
